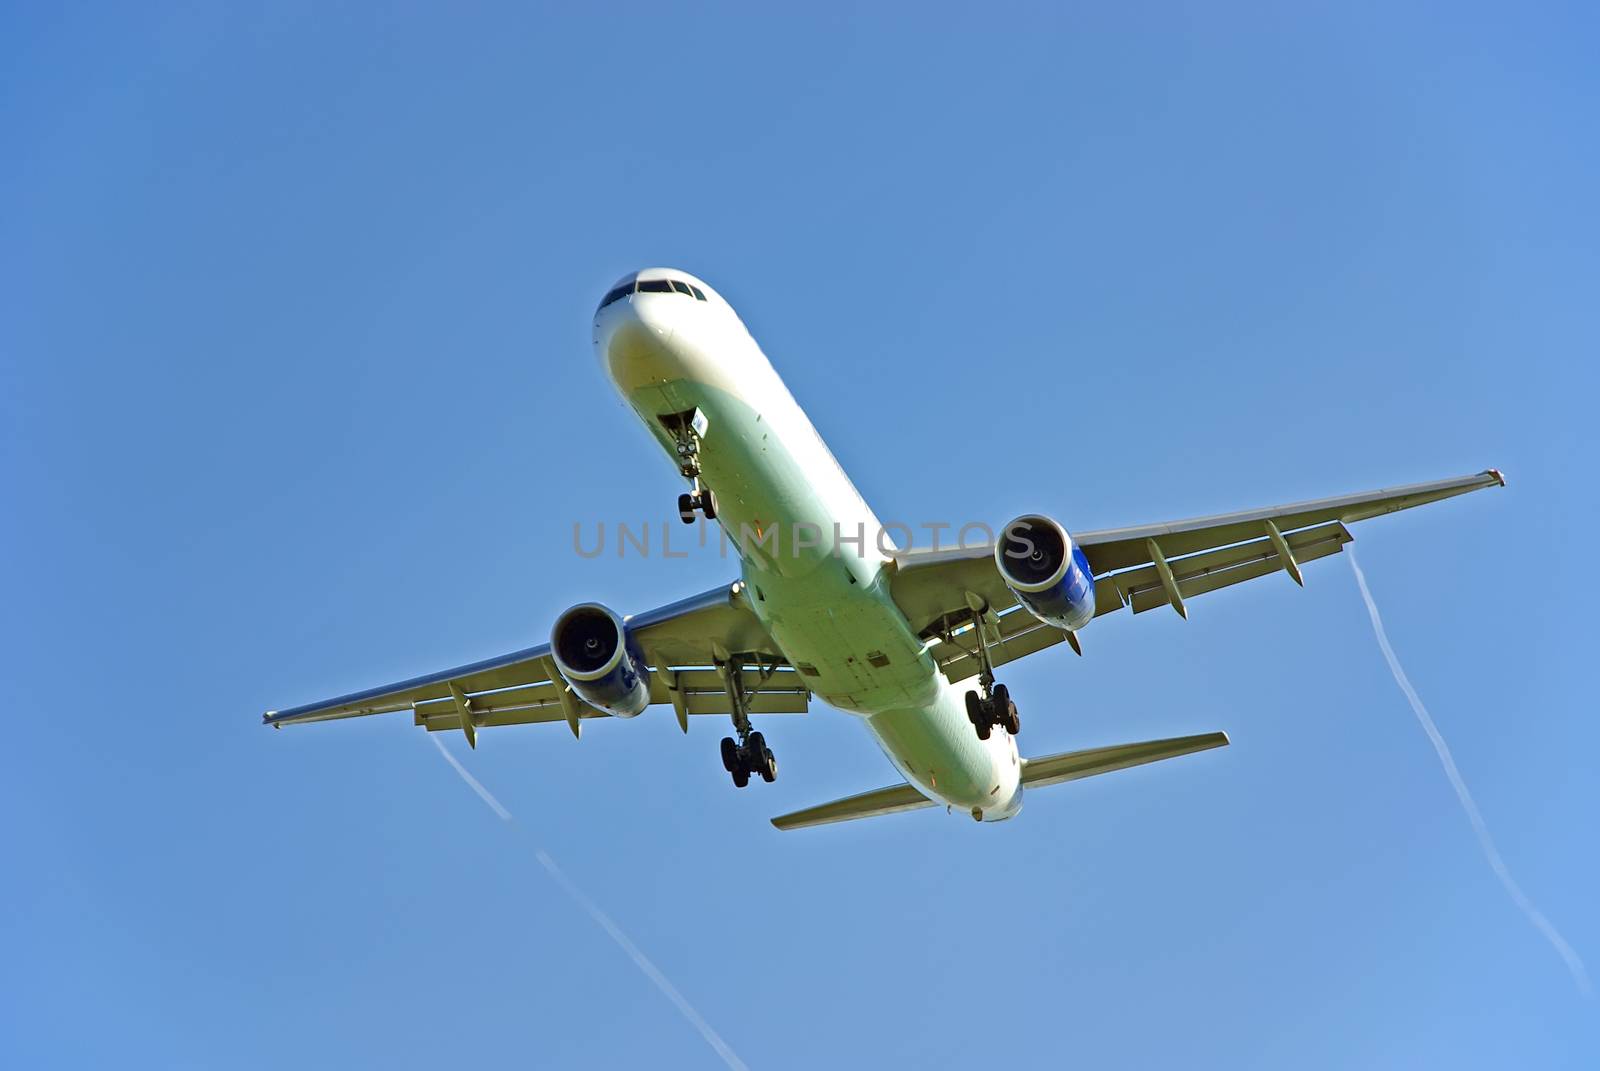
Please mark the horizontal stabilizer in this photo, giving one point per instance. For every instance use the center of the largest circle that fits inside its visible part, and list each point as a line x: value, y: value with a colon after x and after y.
x: 1073, y: 765
x: 1036, y: 773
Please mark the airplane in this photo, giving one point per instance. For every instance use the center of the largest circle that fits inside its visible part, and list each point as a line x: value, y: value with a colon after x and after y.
x: 827, y: 604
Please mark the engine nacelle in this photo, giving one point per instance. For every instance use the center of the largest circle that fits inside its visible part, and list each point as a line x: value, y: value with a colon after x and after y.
x: 595, y: 654
x: 1046, y: 572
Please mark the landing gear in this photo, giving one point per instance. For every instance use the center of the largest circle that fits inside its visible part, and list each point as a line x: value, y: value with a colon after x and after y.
x: 986, y: 714
x: 991, y: 704
x: 749, y: 755
x: 754, y: 757
x: 686, y: 429
x: 701, y: 500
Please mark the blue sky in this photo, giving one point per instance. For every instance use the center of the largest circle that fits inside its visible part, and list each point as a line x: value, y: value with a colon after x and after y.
x: 296, y: 396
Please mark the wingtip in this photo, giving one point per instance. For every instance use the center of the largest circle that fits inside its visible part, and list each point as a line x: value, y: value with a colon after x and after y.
x: 1499, y: 477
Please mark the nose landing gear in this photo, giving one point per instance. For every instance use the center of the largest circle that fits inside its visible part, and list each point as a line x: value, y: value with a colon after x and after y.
x: 700, y: 500
x: 687, y: 429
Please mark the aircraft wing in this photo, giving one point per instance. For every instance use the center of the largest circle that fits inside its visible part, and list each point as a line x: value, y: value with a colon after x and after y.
x: 682, y: 643
x: 1142, y: 567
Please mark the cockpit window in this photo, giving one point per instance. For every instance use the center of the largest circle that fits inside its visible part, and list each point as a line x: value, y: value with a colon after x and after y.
x: 616, y: 295
x: 653, y: 286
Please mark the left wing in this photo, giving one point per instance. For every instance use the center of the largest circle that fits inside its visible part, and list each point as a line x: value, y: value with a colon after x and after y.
x: 1142, y: 567
x: 690, y: 645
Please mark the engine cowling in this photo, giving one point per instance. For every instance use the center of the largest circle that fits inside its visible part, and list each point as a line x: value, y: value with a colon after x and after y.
x: 599, y: 659
x: 1046, y: 571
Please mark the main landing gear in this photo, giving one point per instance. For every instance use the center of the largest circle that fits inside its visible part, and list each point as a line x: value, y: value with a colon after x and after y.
x: 985, y: 712
x: 990, y: 706
x: 749, y: 755
x: 686, y: 429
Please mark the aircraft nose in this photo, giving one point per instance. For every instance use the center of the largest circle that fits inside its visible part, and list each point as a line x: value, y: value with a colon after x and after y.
x: 633, y: 338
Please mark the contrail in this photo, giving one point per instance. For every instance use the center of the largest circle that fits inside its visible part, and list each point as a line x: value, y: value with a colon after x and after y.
x: 1579, y: 974
x: 483, y: 794
x: 640, y: 960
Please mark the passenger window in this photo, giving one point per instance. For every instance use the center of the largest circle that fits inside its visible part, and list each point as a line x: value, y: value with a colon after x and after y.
x: 682, y: 288
x: 699, y: 295
x: 655, y: 286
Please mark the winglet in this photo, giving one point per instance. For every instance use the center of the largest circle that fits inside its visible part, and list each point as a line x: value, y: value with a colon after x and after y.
x: 1499, y: 477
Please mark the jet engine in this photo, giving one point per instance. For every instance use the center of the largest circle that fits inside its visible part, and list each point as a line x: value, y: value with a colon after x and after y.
x: 1046, y: 572
x: 595, y: 654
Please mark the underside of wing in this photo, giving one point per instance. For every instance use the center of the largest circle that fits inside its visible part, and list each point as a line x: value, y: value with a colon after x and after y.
x: 1119, y: 548
x: 1141, y: 567
x: 694, y: 649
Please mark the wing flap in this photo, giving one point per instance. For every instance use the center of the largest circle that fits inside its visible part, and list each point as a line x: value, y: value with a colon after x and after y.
x: 1021, y: 634
x: 1212, y: 570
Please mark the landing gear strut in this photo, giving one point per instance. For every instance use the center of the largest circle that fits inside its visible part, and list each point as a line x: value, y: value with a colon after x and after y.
x: 991, y: 704
x: 686, y: 429
x: 750, y: 754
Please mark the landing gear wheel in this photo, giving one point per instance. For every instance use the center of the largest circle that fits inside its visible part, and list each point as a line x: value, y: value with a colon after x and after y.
x: 1005, y: 711
x: 741, y: 777
x: 974, y: 709
x: 700, y: 500
x: 984, y: 728
x: 761, y: 760
x: 1009, y: 719
x: 730, y: 754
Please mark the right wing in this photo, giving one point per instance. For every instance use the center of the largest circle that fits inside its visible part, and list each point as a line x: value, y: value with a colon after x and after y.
x: 683, y: 643
x: 1036, y: 773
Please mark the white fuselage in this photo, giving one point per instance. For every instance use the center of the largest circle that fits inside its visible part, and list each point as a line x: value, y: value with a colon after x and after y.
x: 815, y: 570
